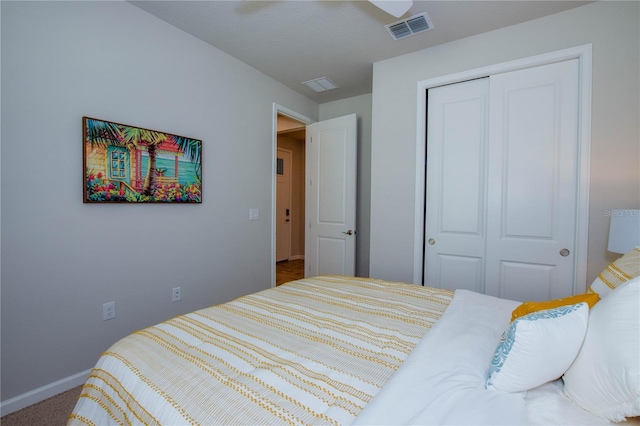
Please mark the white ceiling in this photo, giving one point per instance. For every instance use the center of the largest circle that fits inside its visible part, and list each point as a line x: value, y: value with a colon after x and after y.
x: 296, y: 41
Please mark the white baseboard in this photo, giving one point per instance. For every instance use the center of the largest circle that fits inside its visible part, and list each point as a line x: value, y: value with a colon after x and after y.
x: 40, y: 394
x: 296, y: 257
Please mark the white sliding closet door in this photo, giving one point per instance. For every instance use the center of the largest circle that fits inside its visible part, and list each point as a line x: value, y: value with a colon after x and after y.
x: 501, y: 203
x: 533, y: 182
x: 458, y: 134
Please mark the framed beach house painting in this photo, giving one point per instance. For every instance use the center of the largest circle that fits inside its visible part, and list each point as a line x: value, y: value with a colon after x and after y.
x: 127, y: 164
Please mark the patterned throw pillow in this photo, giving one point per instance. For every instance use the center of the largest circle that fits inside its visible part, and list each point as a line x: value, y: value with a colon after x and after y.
x: 618, y: 272
x: 537, y: 348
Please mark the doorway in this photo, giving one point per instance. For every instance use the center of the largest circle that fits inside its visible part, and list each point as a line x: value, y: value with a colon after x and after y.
x: 330, y: 203
x: 289, y: 196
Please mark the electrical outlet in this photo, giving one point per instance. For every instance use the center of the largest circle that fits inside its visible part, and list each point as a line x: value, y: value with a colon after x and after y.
x: 176, y: 294
x: 108, y: 310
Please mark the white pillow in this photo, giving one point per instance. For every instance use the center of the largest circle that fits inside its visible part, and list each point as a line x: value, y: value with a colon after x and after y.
x: 605, y: 377
x: 538, y: 348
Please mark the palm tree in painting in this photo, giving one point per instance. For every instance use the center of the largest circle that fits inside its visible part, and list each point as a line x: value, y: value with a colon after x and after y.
x: 107, y: 133
x: 150, y: 139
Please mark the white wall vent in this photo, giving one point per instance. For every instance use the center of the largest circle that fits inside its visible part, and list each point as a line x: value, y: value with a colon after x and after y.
x: 407, y: 27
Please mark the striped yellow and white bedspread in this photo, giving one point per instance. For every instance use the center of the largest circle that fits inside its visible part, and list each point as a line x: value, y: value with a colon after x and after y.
x: 313, y: 351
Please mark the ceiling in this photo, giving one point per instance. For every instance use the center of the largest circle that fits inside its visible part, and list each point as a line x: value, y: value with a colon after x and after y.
x: 296, y: 41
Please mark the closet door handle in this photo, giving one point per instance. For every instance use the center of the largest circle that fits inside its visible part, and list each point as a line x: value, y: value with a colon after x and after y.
x: 564, y: 252
x: 349, y: 232
x: 431, y: 241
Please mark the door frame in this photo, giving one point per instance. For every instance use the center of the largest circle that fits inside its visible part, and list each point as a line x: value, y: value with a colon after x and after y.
x: 584, y: 56
x: 278, y: 109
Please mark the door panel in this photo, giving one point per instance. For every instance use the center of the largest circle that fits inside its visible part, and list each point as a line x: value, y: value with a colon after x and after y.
x: 530, y: 162
x: 331, y: 144
x: 331, y: 256
x: 534, y: 281
x: 283, y: 204
x: 464, y: 272
x: 455, y: 203
x: 330, y: 238
x: 533, y: 181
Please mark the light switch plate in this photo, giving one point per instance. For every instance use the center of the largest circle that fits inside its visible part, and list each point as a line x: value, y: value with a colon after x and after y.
x: 254, y: 214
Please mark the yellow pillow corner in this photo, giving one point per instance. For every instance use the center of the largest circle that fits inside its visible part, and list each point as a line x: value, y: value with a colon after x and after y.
x: 529, y: 307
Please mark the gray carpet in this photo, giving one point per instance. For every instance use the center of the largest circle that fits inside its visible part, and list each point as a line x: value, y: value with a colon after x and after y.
x: 53, y: 411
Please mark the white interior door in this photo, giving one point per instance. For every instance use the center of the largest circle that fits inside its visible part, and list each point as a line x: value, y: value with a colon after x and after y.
x: 457, y: 139
x: 533, y: 181
x: 283, y: 204
x: 502, y: 179
x: 330, y: 232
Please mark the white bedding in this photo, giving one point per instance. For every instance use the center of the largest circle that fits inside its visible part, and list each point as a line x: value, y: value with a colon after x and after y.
x: 443, y: 380
x: 327, y: 350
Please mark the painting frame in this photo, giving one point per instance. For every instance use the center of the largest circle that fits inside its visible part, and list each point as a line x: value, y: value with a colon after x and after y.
x: 122, y: 163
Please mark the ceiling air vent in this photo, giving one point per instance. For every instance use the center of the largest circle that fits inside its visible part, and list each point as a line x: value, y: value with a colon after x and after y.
x: 321, y: 84
x: 407, y: 27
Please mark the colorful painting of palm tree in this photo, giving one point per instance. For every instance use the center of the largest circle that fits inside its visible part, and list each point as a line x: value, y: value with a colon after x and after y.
x: 130, y: 164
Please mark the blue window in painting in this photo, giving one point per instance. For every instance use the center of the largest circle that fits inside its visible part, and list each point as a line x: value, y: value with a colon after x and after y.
x: 166, y: 167
x: 118, y: 163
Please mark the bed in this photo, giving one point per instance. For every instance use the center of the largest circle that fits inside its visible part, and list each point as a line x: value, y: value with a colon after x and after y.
x: 337, y: 350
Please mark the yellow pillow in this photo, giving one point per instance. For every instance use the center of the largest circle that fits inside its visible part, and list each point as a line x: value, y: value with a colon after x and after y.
x: 529, y: 307
x: 623, y: 269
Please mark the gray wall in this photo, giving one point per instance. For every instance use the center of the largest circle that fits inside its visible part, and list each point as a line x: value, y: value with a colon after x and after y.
x: 361, y: 106
x: 611, y: 27
x: 62, y: 259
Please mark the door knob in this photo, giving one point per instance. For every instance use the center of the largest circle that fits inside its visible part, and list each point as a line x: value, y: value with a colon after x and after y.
x: 349, y: 232
x: 431, y: 241
x: 564, y: 252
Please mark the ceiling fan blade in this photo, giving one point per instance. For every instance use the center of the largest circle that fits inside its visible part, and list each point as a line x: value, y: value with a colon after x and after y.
x: 396, y: 8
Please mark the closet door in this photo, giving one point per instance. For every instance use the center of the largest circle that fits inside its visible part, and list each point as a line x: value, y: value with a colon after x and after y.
x: 502, y: 183
x: 532, y: 180
x: 455, y: 230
